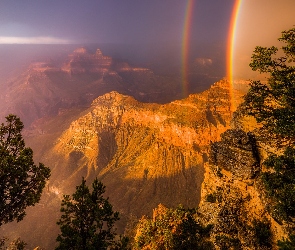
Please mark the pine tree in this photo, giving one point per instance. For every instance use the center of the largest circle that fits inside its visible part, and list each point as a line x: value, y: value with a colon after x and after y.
x: 172, y: 229
x: 88, y: 219
x: 21, y: 181
x: 272, y: 103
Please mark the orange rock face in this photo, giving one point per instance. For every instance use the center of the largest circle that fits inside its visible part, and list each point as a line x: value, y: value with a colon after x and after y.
x: 145, y: 154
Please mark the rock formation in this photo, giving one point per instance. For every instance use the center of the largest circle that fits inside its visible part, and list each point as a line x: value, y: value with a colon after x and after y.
x: 86, y: 118
x: 145, y: 153
x: 232, y: 198
x: 83, y: 62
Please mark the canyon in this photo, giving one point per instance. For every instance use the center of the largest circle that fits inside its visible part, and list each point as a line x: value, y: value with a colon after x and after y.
x: 96, y: 117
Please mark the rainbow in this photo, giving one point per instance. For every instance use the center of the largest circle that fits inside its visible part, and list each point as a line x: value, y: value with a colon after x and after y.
x: 230, y: 44
x: 185, y: 45
x: 231, y: 47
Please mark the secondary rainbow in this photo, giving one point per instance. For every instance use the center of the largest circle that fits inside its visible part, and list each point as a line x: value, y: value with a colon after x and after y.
x: 185, y: 45
x: 230, y: 44
x: 231, y: 47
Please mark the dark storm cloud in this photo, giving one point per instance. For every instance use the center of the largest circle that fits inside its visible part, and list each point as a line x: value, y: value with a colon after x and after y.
x: 115, y: 21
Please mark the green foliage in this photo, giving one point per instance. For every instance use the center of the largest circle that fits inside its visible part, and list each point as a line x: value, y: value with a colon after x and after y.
x: 172, y: 229
x: 262, y: 233
x: 88, y: 219
x: 211, y: 198
x: 225, y: 242
x: 122, y: 244
x: 273, y: 103
x: 287, y: 244
x: 21, y: 181
x: 279, y: 184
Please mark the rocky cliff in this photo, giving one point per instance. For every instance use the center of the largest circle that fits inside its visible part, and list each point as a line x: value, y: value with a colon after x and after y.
x: 232, y: 195
x: 145, y: 153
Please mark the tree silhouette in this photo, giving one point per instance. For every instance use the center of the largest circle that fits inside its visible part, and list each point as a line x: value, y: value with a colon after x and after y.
x: 88, y: 219
x: 21, y: 181
x: 272, y: 103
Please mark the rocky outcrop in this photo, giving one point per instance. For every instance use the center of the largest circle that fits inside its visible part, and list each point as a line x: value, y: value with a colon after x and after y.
x: 144, y: 153
x: 231, y: 199
x: 237, y: 153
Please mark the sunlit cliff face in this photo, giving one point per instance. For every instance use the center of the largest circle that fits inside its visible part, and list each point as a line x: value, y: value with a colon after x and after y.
x: 128, y: 143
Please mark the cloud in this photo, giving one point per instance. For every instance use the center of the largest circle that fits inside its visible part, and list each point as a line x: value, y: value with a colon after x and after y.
x: 33, y: 40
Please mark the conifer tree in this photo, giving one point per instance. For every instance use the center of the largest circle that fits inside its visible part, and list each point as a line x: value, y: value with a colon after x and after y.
x: 172, y: 229
x: 272, y: 103
x: 87, y: 219
x: 21, y: 181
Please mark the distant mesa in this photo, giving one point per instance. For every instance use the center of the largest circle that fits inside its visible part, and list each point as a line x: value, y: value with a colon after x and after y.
x: 98, y: 53
x: 81, y: 50
x: 47, y: 87
x: 81, y: 61
x: 43, y: 66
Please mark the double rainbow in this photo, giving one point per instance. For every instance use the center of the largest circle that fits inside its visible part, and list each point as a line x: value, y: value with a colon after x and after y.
x: 230, y: 44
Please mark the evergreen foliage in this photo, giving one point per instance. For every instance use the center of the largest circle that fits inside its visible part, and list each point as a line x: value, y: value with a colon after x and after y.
x: 211, y: 197
x: 272, y: 103
x: 87, y: 219
x: 21, y: 181
x: 287, y: 244
x: 225, y: 242
x: 279, y: 184
x: 262, y: 233
x: 172, y: 229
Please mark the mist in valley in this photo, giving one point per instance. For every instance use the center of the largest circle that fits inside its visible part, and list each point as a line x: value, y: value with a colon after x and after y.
x: 164, y: 59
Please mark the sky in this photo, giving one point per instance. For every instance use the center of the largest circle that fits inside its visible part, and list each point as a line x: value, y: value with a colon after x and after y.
x: 259, y: 23
x: 110, y: 21
x: 206, y: 23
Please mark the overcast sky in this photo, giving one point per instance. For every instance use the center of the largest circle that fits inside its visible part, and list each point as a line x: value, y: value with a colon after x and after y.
x: 115, y: 21
x: 146, y: 21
